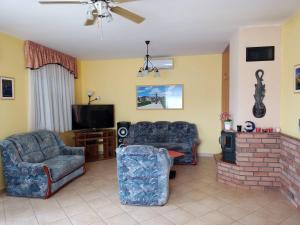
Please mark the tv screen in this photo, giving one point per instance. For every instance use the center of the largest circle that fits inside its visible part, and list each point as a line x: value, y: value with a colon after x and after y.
x: 92, y: 116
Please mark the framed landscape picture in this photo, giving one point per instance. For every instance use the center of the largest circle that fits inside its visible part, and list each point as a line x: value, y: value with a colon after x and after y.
x: 7, y: 87
x: 159, y: 97
x: 297, y: 78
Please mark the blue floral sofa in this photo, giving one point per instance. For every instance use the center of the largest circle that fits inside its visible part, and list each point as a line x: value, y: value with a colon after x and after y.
x: 179, y: 136
x: 143, y: 175
x: 37, y: 164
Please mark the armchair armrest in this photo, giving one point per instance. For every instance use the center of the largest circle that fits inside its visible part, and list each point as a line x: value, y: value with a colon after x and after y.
x: 67, y: 150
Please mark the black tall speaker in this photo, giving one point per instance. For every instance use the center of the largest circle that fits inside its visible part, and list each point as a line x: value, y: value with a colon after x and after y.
x: 123, y: 131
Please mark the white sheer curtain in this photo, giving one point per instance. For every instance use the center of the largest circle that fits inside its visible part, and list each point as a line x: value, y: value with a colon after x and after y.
x: 51, y: 94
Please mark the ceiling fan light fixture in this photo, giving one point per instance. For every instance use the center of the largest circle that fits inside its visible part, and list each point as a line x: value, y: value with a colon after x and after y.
x: 89, y: 15
x: 109, y: 18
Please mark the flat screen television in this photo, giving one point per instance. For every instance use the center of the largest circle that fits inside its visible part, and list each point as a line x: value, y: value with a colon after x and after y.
x: 92, y: 116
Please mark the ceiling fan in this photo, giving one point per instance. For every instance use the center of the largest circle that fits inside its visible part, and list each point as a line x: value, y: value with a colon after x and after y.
x: 99, y: 9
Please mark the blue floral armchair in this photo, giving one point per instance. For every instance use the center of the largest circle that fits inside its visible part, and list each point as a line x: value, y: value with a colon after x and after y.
x: 37, y: 164
x: 143, y: 174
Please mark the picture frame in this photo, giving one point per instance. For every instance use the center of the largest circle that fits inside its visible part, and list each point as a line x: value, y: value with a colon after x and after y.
x: 159, y: 97
x: 297, y: 79
x: 7, y: 87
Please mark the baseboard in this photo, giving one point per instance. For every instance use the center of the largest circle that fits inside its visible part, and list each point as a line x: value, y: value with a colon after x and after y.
x: 201, y: 154
x: 2, y: 191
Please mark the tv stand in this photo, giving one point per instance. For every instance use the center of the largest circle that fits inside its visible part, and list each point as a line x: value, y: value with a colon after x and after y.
x: 99, y: 143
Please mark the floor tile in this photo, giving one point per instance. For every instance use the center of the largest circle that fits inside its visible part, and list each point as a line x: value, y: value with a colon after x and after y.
x: 196, y: 198
x: 196, y: 221
x: 70, y: 200
x: 213, y: 203
x: 236, y: 223
x: 164, y: 209
x: 196, y: 195
x: 76, y: 209
x: 61, y: 222
x: 109, y: 211
x: 98, y: 203
x: 23, y: 221
x: 51, y: 216
x: 196, y: 208
x: 19, y: 213
x: 178, y: 216
x: 143, y: 214
x: 92, y: 195
x: 234, y: 212
x: 123, y: 219
x: 256, y: 219
x: 86, y: 218
x: 294, y: 220
x: 216, y: 218
x: 157, y: 221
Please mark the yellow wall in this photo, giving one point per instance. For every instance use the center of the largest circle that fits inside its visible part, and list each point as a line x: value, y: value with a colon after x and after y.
x: 13, y: 113
x: 115, y: 82
x: 290, y: 101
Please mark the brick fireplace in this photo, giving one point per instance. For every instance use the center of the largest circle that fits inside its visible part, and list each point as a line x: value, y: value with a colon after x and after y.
x: 290, y: 173
x: 264, y: 161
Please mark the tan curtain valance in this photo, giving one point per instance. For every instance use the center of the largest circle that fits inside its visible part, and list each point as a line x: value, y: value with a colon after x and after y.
x: 37, y: 56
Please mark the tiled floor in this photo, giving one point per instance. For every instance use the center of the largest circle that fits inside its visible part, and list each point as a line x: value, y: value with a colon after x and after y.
x: 195, y: 199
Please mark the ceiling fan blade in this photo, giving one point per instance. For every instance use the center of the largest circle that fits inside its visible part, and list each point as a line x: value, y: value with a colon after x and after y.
x: 90, y: 22
x: 63, y: 2
x: 127, y: 14
x: 123, y: 1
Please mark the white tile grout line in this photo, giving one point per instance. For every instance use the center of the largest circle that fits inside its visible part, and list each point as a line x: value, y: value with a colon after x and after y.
x: 69, y: 219
x: 2, y: 203
x: 34, y: 213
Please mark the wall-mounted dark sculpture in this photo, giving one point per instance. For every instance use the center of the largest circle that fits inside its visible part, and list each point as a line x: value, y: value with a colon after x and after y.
x: 259, y: 109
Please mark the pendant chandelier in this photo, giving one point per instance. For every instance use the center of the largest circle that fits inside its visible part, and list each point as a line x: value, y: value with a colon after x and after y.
x: 148, y: 66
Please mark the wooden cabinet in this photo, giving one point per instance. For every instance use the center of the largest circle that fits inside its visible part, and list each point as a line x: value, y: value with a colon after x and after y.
x: 99, y: 144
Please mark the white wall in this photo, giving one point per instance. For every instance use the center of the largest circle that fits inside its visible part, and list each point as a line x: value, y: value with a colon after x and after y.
x: 242, y: 75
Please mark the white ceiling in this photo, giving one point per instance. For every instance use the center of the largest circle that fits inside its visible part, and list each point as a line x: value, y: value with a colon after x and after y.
x: 175, y: 27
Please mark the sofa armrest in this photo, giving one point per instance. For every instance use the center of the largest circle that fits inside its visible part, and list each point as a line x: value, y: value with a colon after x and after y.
x: 196, y: 142
x: 128, y: 141
x: 67, y: 150
x: 31, y: 169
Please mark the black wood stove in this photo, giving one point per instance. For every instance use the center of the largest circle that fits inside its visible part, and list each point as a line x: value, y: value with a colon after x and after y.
x: 227, y: 141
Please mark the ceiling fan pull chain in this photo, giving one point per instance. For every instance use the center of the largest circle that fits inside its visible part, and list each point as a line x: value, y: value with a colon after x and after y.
x: 100, y: 27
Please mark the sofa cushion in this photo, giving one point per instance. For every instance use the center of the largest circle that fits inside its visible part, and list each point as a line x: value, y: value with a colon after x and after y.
x: 180, y: 132
x: 144, y: 132
x: 28, y: 148
x: 48, y: 143
x: 162, y: 128
x: 62, y: 165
